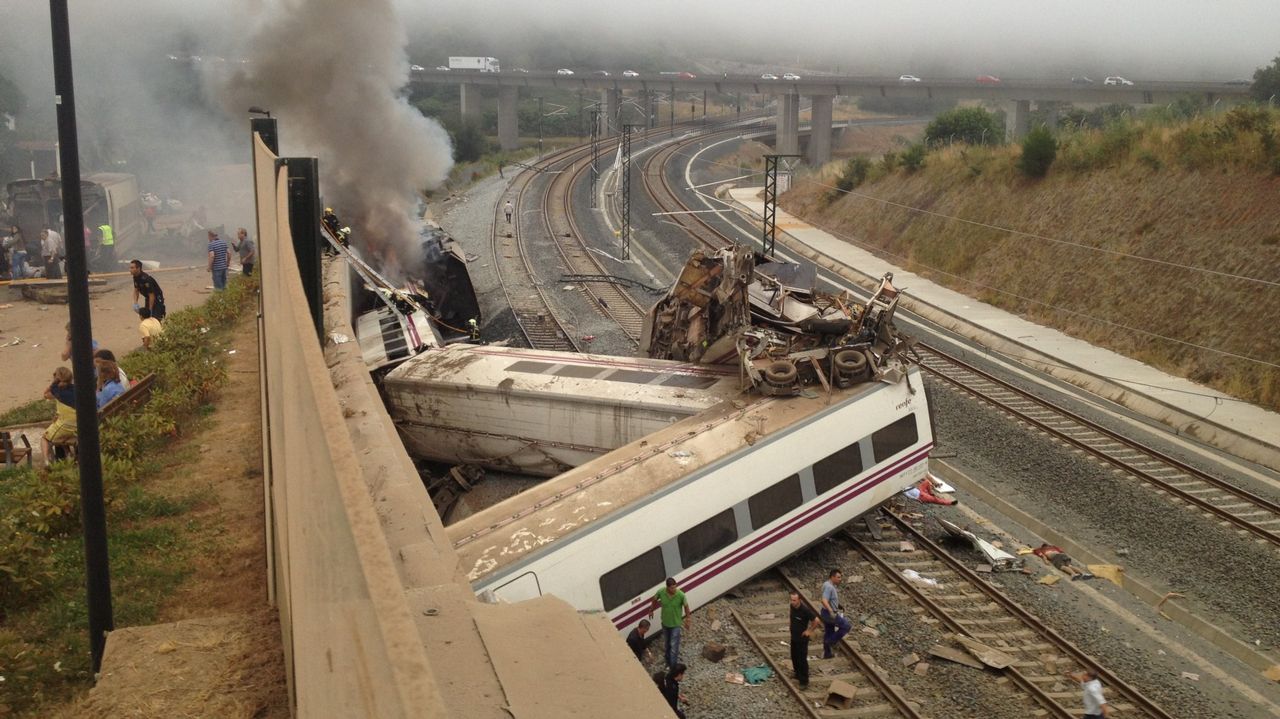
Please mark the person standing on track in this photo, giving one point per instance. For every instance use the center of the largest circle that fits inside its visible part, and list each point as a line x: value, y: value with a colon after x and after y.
x: 508, y: 209
x: 1095, y: 705
x: 803, y: 624
x: 833, y: 621
x: 675, y: 617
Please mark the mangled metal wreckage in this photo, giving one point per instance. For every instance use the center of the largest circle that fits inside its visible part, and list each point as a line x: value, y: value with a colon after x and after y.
x: 770, y: 320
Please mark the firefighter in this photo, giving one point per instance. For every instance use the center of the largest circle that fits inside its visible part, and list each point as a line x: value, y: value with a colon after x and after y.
x: 475, y: 329
x: 330, y: 220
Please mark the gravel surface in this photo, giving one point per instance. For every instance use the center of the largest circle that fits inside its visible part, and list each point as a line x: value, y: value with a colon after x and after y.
x: 1223, y: 575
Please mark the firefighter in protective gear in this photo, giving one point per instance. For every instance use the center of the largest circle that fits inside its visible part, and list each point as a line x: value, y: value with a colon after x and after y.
x: 330, y: 220
x: 106, y: 248
x: 475, y: 329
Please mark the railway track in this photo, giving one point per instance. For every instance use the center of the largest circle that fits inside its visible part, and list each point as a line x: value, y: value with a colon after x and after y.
x: 768, y: 629
x: 525, y: 294
x: 1252, y: 515
x: 570, y: 243
x: 966, y: 605
x: 1257, y: 517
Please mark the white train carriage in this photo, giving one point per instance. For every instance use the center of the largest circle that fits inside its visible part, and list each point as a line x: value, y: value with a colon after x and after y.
x: 541, y: 412
x: 711, y: 500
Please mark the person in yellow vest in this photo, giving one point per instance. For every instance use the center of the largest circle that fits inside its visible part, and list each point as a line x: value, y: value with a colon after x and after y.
x: 107, y: 248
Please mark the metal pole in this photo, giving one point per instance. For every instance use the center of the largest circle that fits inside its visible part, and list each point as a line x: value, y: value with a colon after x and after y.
x: 580, y: 133
x: 626, y: 191
x: 704, y: 107
x: 770, y: 204
x: 595, y: 150
x: 304, y: 223
x: 539, y: 124
x: 93, y: 513
x: 673, y: 109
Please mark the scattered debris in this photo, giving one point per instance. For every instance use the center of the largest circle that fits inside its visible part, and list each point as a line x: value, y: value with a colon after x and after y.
x: 1050, y: 579
x: 954, y: 655
x: 339, y: 338
x: 757, y: 674
x: 714, y: 652
x: 984, y: 568
x: 992, y: 657
x: 1165, y: 598
x: 916, y: 578
x: 1122, y: 552
x: 1112, y: 572
x: 734, y: 678
x: 1191, y: 675
x: 871, y: 630
x: 910, y: 659
x: 922, y: 668
x: 1273, y: 673
x: 715, y: 625
x: 906, y: 547
x: 769, y: 615
x: 840, y: 695
x: 999, y: 559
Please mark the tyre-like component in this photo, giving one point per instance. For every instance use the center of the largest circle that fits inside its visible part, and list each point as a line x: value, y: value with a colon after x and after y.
x: 780, y: 373
x: 850, y: 363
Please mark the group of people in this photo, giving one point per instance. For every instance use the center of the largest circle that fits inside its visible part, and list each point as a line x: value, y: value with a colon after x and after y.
x: 109, y: 380
x: 220, y: 256
x: 16, y: 262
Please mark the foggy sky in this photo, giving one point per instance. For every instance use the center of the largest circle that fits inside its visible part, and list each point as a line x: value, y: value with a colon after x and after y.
x: 132, y: 95
x: 1143, y: 39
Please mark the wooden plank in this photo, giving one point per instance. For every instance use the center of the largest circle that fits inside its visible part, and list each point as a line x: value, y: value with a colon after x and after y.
x: 955, y: 655
x: 993, y: 658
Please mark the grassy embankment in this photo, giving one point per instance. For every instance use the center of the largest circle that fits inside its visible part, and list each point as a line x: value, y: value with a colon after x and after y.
x: 44, y: 655
x: 1200, y: 194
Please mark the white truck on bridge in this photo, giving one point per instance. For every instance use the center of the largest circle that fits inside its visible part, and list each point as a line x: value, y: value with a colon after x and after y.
x: 480, y: 64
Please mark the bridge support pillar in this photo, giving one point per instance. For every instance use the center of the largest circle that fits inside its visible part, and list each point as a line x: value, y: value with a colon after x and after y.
x: 470, y: 102
x: 820, y: 130
x: 787, y: 141
x: 1050, y: 109
x: 611, y: 104
x: 508, y: 117
x: 1017, y: 120
x: 645, y: 100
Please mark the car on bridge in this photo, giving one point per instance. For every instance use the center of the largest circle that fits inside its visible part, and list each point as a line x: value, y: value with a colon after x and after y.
x: 790, y: 76
x: 1116, y: 80
x: 630, y: 73
x: 988, y: 80
x: 564, y: 71
x: 686, y: 75
x: 417, y: 68
x: 521, y: 70
x: 442, y: 68
x: 601, y: 73
x: 768, y: 76
x: 1081, y: 80
x: 908, y: 78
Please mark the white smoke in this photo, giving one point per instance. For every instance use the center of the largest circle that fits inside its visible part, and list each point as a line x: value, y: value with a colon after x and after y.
x: 332, y: 71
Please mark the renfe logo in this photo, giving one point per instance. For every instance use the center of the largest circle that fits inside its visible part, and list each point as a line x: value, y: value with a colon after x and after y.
x: 904, y: 404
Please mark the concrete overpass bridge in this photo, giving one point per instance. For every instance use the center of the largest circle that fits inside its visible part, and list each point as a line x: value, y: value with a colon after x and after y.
x: 1017, y: 95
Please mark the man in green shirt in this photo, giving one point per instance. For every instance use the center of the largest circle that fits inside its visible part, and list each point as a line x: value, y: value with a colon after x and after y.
x: 675, y: 618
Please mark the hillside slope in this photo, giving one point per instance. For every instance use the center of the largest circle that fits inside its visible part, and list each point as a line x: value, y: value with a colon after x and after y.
x: 1072, y: 261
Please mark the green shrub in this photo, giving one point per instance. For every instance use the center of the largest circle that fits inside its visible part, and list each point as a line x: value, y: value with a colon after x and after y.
x: 913, y: 157
x: 854, y: 174
x: 1038, y: 152
x: 888, y: 162
x: 970, y: 125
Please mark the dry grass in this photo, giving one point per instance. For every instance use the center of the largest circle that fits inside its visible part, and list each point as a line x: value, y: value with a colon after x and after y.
x: 1222, y: 216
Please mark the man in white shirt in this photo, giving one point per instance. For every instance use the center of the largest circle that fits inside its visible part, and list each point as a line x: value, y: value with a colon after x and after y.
x: 51, y: 249
x: 1095, y: 706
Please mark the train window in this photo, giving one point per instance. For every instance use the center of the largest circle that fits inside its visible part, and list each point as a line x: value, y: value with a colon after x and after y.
x: 769, y: 504
x: 837, y: 468
x: 633, y: 578
x: 704, y: 540
x: 888, y: 441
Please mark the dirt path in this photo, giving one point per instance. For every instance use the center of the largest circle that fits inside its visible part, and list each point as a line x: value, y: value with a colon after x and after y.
x: 33, y: 335
x: 221, y: 654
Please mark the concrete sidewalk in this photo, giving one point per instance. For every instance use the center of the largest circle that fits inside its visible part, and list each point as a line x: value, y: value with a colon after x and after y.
x: 1243, y: 429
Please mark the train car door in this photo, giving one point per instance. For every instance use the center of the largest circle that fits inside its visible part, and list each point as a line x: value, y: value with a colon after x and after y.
x: 519, y: 589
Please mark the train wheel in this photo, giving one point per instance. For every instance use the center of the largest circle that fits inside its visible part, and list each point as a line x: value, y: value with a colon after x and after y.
x: 850, y: 363
x: 780, y: 373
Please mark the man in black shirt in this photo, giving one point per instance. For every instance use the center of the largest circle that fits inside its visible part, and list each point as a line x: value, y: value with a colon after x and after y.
x: 146, y: 287
x: 635, y: 639
x: 803, y: 624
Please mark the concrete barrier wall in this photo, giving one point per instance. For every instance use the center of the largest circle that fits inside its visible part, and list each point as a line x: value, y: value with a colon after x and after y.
x: 351, y: 646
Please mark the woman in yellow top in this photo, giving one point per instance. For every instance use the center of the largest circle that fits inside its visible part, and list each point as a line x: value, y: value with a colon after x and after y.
x: 63, y: 392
